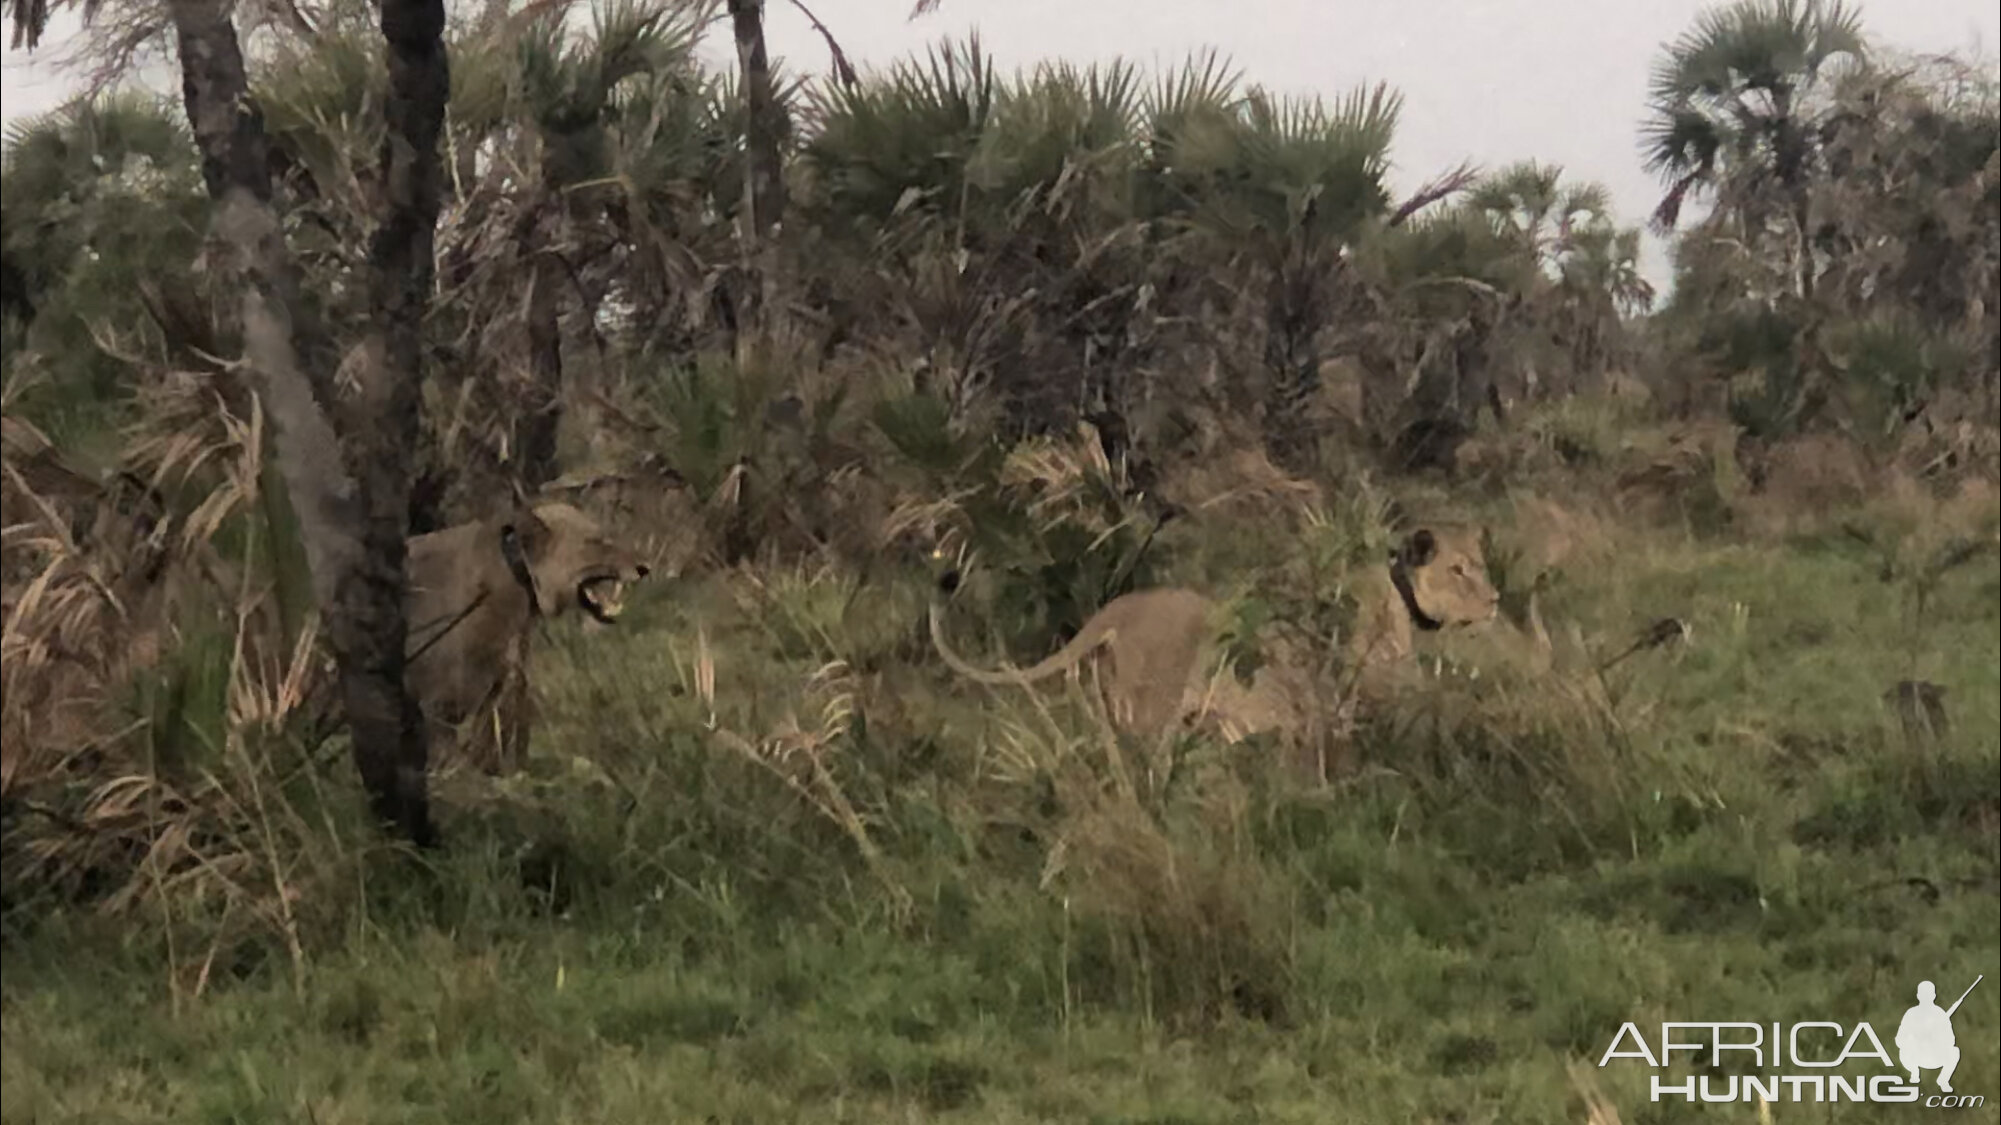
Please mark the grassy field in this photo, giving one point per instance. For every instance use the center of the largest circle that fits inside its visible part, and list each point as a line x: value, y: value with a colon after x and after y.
x: 772, y: 864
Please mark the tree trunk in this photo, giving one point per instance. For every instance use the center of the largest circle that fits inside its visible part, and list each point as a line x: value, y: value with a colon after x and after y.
x: 357, y: 582
x: 1293, y: 298
x: 541, y: 414
x: 388, y: 413
x: 764, y: 178
x: 764, y: 188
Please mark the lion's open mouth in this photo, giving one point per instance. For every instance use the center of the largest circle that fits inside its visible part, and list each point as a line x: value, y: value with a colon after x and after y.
x: 602, y: 598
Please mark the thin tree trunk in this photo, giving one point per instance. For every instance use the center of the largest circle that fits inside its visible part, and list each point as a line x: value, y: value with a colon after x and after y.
x: 764, y: 173
x: 541, y: 415
x: 357, y: 583
x: 765, y: 179
x: 388, y: 413
x: 235, y: 156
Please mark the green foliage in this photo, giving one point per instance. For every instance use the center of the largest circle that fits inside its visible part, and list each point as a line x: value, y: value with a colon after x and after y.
x: 905, y: 140
x: 1729, y: 102
x: 752, y: 443
x: 1061, y: 126
x: 1434, y: 256
x: 1288, y: 168
x: 1756, y: 350
x: 567, y: 83
x: 103, y: 197
x: 1894, y: 368
x: 1055, y: 534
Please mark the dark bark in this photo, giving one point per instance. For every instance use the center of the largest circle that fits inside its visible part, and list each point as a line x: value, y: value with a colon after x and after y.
x: 342, y: 515
x: 542, y: 413
x: 388, y: 416
x: 764, y: 180
x: 541, y: 225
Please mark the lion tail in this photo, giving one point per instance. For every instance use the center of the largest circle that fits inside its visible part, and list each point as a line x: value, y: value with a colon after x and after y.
x: 1093, y: 634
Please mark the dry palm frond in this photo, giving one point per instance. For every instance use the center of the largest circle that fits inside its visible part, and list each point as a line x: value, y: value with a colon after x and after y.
x: 1069, y: 480
x: 66, y: 636
x: 804, y: 757
x: 1245, y: 477
x: 934, y: 520
x: 94, y: 596
x: 221, y: 842
x: 189, y: 422
x: 268, y: 692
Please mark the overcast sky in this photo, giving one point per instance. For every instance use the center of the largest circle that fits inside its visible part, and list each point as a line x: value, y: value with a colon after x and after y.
x: 1562, y: 81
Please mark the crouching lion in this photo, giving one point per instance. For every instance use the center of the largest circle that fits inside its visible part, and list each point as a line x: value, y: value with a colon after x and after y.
x: 1157, y: 646
x: 475, y: 591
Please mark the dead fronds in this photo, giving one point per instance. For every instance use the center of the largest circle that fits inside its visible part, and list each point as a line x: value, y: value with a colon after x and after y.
x: 152, y: 697
x: 806, y: 756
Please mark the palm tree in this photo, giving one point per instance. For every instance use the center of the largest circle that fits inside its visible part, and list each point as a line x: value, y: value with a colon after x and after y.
x: 1006, y: 203
x: 1605, y: 260
x: 1285, y: 186
x: 1581, y: 270
x: 104, y: 202
x: 904, y: 141
x: 1532, y: 204
x: 1735, y: 110
x: 567, y: 89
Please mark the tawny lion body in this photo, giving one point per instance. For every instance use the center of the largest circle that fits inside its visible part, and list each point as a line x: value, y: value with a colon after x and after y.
x: 1156, y: 644
x: 475, y: 591
x: 1152, y: 640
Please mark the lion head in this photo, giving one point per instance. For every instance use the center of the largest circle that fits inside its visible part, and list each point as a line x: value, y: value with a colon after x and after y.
x: 1441, y: 576
x: 571, y: 560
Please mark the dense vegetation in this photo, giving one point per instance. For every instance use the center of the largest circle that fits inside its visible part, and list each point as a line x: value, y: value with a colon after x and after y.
x: 1090, y: 329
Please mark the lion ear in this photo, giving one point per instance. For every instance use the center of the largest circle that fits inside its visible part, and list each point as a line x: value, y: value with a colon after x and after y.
x: 1420, y: 548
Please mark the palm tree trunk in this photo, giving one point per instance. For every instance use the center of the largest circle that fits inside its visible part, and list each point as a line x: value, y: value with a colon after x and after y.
x: 1292, y: 360
x: 765, y: 180
x: 352, y: 532
x: 764, y: 173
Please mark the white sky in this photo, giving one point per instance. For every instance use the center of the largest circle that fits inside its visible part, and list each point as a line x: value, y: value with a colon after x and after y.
x: 1562, y: 81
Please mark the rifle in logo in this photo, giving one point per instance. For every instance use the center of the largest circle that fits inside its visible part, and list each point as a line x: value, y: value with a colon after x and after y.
x: 1964, y: 995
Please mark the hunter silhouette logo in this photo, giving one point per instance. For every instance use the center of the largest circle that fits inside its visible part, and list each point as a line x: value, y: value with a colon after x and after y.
x: 1925, y: 1040
x: 1809, y: 1061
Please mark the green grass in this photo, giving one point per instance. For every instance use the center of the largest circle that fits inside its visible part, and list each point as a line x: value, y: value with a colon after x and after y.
x: 651, y: 927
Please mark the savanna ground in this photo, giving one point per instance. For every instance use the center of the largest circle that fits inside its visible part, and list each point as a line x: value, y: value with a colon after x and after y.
x: 652, y: 926
x: 1098, y: 329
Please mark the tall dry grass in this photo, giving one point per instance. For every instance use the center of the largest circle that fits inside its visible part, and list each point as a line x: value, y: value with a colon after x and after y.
x: 163, y: 728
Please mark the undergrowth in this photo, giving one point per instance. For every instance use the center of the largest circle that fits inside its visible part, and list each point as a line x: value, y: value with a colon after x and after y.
x: 770, y: 863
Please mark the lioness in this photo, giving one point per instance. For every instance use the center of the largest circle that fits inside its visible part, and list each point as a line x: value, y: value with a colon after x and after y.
x: 475, y: 590
x: 1157, y: 668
